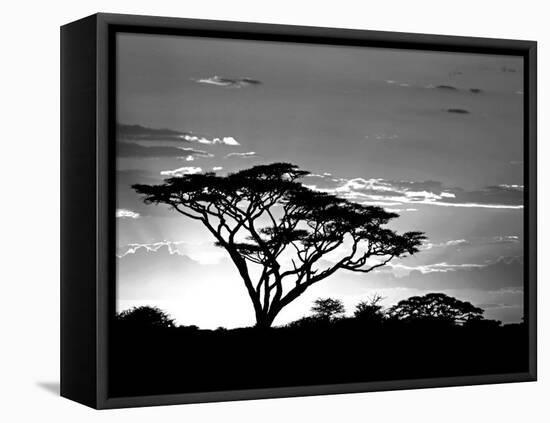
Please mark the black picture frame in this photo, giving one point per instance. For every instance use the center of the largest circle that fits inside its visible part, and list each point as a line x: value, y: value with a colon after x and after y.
x: 87, y: 170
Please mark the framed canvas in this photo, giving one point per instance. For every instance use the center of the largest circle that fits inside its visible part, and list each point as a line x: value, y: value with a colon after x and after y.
x: 257, y: 211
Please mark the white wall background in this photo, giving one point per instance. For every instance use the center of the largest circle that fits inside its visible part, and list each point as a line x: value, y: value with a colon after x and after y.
x: 30, y: 210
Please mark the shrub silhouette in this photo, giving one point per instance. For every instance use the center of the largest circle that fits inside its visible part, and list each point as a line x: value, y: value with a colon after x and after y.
x: 369, y: 310
x: 263, y: 213
x: 306, y: 322
x: 480, y: 323
x: 145, y: 317
x: 327, y: 309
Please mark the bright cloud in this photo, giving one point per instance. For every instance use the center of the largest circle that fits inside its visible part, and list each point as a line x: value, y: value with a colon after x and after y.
x: 450, y: 243
x: 511, y: 187
x: 195, y: 153
x: 204, y: 140
x: 228, y: 82
x: 125, y: 213
x: 447, y: 195
x: 186, y: 170
x: 443, y: 267
x: 244, y: 155
x: 130, y: 134
x: 381, y: 192
x: 475, y: 205
x: 204, y: 253
x: 505, y: 239
x: 500, y: 239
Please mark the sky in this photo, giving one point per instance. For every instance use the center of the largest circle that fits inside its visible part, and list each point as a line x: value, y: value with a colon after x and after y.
x: 436, y: 137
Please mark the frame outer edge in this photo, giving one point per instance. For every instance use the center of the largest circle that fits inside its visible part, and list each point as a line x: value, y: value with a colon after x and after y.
x: 106, y: 272
x: 532, y: 177
x: 78, y: 241
x: 104, y: 200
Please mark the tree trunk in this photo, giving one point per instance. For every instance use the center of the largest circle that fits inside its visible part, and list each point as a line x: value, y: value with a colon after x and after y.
x: 264, y: 320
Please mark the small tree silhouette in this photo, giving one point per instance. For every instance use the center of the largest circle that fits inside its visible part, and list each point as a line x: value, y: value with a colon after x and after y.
x: 435, y: 306
x: 145, y: 317
x: 369, y: 310
x: 264, y: 218
x: 327, y: 308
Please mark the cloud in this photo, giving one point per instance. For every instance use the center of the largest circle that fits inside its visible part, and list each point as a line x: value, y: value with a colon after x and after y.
x: 139, y: 133
x: 442, y: 267
x: 453, y: 243
x: 129, y: 149
x: 382, y: 192
x: 203, y: 140
x: 203, y: 253
x: 143, y: 133
x: 446, y: 87
x: 475, y: 205
x: 447, y: 195
x: 228, y: 82
x: 452, y: 88
x: 508, y: 187
x: 191, y: 152
x: 216, y: 168
x: 125, y: 213
x: 441, y: 87
x: 400, y: 210
x: 473, y: 248
x: 383, y: 137
x: 505, y: 272
x: 504, y: 239
x: 186, y: 170
x: 248, y: 154
x: 458, y: 111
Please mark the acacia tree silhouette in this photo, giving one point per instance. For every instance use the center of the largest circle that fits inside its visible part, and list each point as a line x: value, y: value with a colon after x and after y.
x: 436, y: 306
x: 264, y: 217
x: 328, y: 308
x: 370, y: 310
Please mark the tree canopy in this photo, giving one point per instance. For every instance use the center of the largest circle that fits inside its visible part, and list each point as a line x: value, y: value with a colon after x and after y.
x: 435, y: 306
x: 265, y: 218
x: 328, y: 308
x: 370, y: 309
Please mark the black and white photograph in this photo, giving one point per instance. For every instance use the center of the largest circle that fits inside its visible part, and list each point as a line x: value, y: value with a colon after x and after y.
x: 293, y: 214
x: 275, y: 212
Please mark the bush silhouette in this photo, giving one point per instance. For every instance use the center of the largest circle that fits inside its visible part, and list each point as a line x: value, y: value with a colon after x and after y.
x: 327, y: 309
x: 369, y: 310
x: 145, y: 317
x: 479, y: 323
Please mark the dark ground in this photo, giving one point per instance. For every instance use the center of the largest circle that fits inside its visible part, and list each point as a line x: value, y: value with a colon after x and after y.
x: 185, y: 359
